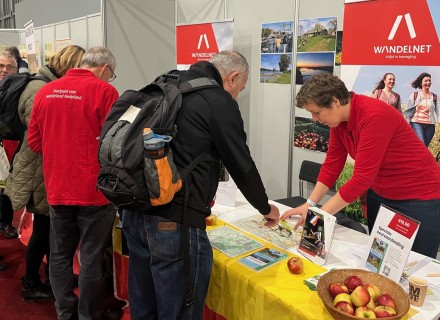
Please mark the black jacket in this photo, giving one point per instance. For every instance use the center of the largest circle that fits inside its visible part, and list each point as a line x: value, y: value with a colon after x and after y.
x: 210, y: 121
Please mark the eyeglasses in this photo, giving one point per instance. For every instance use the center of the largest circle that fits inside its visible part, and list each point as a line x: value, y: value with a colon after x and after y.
x: 8, y: 67
x: 113, y: 77
x: 282, y: 229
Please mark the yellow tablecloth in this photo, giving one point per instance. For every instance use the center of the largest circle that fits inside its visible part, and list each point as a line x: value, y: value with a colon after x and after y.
x: 237, y: 292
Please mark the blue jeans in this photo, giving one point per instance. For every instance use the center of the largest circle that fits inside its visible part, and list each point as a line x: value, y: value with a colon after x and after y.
x: 156, y: 274
x: 427, y: 212
x: 424, y: 131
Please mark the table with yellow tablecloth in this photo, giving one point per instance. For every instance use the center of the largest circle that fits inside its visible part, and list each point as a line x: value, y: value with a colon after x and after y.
x: 238, y: 292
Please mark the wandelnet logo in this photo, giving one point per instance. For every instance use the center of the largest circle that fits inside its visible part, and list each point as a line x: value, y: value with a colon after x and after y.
x: 203, y: 39
x: 402, y: 49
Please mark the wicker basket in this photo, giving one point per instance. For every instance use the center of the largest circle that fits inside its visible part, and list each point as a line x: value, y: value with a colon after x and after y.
x: 384, y: 284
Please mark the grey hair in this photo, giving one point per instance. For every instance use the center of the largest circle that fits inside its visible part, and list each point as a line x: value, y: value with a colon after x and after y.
x: 98, y: 56
x: 230, y: 61
x: 10, y: 56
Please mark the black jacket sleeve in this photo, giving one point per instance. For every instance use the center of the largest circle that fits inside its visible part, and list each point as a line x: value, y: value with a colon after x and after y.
x: 229, y: 139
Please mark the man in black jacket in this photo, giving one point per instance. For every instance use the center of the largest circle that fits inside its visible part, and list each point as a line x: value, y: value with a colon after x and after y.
x: 209, y: 121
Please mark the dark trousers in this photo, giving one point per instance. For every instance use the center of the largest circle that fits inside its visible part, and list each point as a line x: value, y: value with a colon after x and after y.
x: 90, y: 227
x: 427, y: 212
x: 6, y: 211
x: 38, y: 247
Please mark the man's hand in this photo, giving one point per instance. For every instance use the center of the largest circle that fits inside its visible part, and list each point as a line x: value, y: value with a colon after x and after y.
x: 272, y: 217
x: 298, y: 211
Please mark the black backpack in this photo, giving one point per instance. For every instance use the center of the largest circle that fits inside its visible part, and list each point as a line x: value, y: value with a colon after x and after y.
x: 127, y: 177
x: 11, y: 88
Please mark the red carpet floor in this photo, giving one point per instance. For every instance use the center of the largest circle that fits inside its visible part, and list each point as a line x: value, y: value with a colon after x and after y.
x: 12, y: 307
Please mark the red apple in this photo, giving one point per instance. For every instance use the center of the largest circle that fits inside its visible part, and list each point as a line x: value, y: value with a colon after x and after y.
x: 342, y: 297
x: 211, y: 220
x: 335, y: 289
x: 386, y: 300
x: 345, y: 307
x: 384, y: 312
x: 360, y: 296
x: 373, y: 290
x: 364, y: 312
x: 295, y: 265
x: 352, y: 282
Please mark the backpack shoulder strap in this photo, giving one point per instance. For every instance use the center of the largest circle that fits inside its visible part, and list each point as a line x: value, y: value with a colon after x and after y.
x: 434, y: 97
x: 415, y: 95
x: 197, y: 84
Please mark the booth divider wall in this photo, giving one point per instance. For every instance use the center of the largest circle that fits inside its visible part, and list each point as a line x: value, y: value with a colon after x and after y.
x: 142, y: 35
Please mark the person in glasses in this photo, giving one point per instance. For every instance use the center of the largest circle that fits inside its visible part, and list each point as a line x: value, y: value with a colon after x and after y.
x: 66, y: 119
x: 21, y: 64
x: 26, y: 187
x: 8, y: 65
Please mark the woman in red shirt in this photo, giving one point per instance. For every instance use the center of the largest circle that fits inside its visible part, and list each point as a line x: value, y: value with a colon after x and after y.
x: 387, y: 157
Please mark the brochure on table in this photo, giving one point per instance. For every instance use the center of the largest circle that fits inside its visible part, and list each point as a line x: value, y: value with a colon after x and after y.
x: 232, y: 242
x: 317, y: 235
x: 390, y: 243
x: 263, y: 258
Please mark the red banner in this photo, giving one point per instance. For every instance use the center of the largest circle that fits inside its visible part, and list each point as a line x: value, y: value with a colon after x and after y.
x: 390, y: 32
x: 200, y: 42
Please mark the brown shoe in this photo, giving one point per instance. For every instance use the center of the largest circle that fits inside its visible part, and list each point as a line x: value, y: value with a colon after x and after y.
x: 9, y: 231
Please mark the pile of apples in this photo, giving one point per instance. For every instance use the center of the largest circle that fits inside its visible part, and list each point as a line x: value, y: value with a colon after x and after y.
x: 311, y: 141
x: 361, y: 300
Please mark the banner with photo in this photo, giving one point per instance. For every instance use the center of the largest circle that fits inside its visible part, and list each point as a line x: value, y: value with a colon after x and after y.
x: 403, y: 40
x: 201, y: 41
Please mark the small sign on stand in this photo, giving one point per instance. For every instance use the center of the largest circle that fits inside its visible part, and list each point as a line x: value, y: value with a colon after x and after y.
x: 226, y: 193
x: 390, y: 243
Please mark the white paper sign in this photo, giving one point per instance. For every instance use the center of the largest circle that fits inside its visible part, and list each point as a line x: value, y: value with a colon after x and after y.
x: 226, y: 193
x: 30, y: 39
x: 390, y: 243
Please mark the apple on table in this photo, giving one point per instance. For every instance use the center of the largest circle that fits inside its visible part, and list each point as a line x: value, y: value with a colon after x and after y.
x: 211, y: 220
x: 295, y: 265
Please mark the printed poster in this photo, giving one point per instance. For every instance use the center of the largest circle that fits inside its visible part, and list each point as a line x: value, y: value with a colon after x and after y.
x: 403, y: 40
x: 201, y: 41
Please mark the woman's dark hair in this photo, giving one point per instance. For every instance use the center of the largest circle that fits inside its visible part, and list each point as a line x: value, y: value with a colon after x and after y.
x: 417, y: 83
x: 381, y: 83
x: 321, y: 90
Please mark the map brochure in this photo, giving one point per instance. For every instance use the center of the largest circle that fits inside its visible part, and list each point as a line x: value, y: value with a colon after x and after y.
x: 390, y: 243
x: 263, y: 258
x: 232, y: 242
x: 317, y: 235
